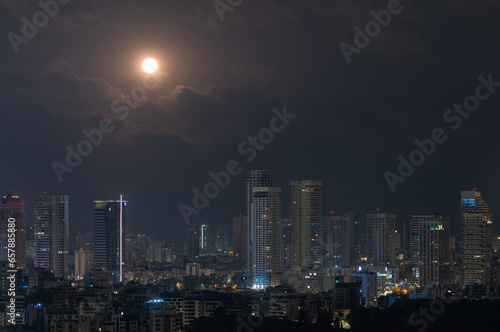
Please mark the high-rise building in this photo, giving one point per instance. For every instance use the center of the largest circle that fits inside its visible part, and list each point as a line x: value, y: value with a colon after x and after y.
x: 153, y: 253
x: 193, y: 242
x: 12, y: 211
x: 255, y: 178
x: 109, y: 228
x: 358, y: 232
x: 306, y: 229
x: 286, y: 242
x: 380, y: 239
x: 368, y: 291
x: 476, y: 238
x: 240, y: 230
x: 84, y: 259
x: 30, y: 245
x: 51, y: 231
x: 338, y: 240
x: 207, y: 239
x: 221, y: 239
x: 430, y: 248
x: 266, y: 214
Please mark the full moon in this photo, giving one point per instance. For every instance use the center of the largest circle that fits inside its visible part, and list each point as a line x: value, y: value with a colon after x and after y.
x: 149, y: 65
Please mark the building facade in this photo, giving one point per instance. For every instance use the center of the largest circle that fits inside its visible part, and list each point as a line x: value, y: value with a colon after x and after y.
x: 305, y: 210
x: 338, y: 240
x: 240, y: 230
x: 477, y: 238
x: 12, y: 211
x: 266, y: 253
x: 380, y: 239
x: 51, y: 233
x: 193, y: 242
x: 255, y: 178
x: 109, y: 228
x: 430, y: 254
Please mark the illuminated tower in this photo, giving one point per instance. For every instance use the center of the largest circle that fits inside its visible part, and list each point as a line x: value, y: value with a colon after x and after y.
x: 51, y: 230
x: 430, y: 243
x: 338, y: 240
x: 266, y: 212
x: 12, y: 208
x: 255, y: 178
x: 306, y: 224
x: 380, y: 239
x: 206, y: 239
x: 109, y: 243
x: 476, y: 237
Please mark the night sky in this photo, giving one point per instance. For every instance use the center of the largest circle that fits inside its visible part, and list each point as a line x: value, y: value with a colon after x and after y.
x: 224, y: 79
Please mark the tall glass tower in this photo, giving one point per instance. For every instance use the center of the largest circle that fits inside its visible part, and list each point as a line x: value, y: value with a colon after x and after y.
x: 306, y: 231
x: 476, y: 237
x: 380, y: 239
x: 430, y: 247
x: 255, y: 178
x: 109, y: 242
x: 51, y: 233
x: 266, y: 211
x: 12, y: 207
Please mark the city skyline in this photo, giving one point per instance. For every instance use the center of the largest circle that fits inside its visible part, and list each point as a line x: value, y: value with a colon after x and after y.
x: 190, y: 165
x: 455, y: 223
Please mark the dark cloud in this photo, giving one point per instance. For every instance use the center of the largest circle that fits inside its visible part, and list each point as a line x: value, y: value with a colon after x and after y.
x: 224, y: 79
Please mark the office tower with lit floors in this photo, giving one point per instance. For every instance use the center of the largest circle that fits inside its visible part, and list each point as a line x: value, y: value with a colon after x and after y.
x: 477, y: 238
x: 286, y: 252
x: 221, y: 239
x: 305, y: 211
x: 51, y: 233
x: 338, y: 240
x: 380, y: 239
x: 430, y: 249
x: 266, y: 237
x: 255, y: 178
x: 12, y: 210
x: 206, y: 239
x: 109, y: 240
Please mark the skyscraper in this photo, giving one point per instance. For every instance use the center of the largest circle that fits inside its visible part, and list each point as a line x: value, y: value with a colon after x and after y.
x: 240, y: 230
x: 286, y: 241
x: 221, y: 239
x: 255, y: 178
x: 306, y: 229
x: 476, y: 237
x: 207, y: 241
x: 430, y: 243
x: 380, y: 239
x: 266, y: 214
x: 193, y: 242
x: 12, y: 207
x: 84, y: 259
x: 338, y: 240
x: 109, y: 227
x: 51, y: 233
